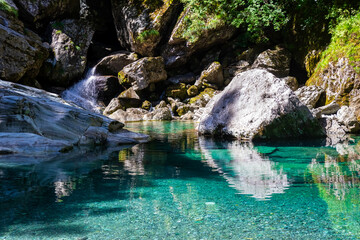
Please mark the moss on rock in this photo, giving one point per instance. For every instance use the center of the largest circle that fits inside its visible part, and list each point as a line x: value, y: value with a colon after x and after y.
x: 338, y: 71
x: 177, y: 91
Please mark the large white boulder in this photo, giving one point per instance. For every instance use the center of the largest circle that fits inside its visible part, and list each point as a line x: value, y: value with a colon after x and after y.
x: 256, y: 104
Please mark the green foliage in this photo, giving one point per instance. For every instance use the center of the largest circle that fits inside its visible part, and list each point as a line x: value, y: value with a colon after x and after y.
x: 143, y: 36
x: 4, y: 6
x: 254, y: 15
x: 345, y: 42
x: 258, y: 17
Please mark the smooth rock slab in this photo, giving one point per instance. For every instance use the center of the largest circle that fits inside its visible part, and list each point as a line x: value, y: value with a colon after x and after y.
x: 258, y: 105
x: 54, y: 122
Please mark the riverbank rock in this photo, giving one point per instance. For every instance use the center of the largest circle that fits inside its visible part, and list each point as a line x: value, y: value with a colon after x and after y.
x: 70, y: 40
x: 141, y: 25
x: 112, y: 64
x: 257, y: 105
x: 53, y: 122
x: 275, y: 61
x: 139, y: 114
x: 142, y: 73
x: 22, y: 52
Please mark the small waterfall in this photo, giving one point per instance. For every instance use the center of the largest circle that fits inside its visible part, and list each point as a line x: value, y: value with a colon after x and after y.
x: 85, y: 92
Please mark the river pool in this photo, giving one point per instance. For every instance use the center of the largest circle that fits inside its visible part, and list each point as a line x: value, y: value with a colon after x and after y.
x: 181, y: 186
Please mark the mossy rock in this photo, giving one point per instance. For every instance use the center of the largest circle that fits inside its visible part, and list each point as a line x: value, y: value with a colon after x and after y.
x: 192, y: 91
x: 338, y: 71
x: 146, y: 105
x: 123, y: 80
x: 177, y: 91
x: 183, y: 110
x: 311, y: 60
x: 203, y: 98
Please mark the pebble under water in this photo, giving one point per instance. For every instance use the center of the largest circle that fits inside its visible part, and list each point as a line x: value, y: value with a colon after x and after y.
x: 181, y: 186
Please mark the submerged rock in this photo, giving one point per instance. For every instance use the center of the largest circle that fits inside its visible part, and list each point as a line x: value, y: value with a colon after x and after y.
x: 257, y: 105
x: 53, y: 122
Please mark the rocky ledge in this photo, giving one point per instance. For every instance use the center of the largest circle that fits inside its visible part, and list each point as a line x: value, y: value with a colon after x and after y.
x: 33, y: 120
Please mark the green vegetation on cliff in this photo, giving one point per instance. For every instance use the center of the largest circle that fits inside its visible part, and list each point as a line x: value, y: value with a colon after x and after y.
x: 345, y: 42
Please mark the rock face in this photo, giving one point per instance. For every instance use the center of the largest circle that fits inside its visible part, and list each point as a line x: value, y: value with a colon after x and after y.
x: 143, y: 72
x: 52, y: 121
x: 141, y: 25
x: 341, y: 83
x: 257, y: 105
x: 275, y: 61
x: 21, y: 52
x: 35, y: 10
x: 111, y: 65
x: 70, y: 42
x: 180, y: 48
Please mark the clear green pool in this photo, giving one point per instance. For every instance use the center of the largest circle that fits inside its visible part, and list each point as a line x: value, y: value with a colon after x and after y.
x: 180, y: 186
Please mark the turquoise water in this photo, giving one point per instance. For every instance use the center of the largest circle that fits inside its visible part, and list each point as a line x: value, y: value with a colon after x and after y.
x: 180, y: 186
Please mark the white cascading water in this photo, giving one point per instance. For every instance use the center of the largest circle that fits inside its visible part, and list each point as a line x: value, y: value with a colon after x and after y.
x: 85, y: 92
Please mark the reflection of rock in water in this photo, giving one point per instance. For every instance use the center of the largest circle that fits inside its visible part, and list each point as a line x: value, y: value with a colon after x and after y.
x: 134, y: 164
x: 63, y: 189
x: 244, y: 168
x: 338, y: 180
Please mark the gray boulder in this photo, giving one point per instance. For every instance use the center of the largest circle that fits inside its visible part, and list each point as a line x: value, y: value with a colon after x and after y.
x: 275, y: 61
x: 257, y: 105
x: 69, y: 42
x: 347, y: 117
x: 142, y: 73
x: 129, y: 115
x: 163, y: 113
x: 328, y: 109
x: 212, y: 76
x: 309, y: 95
x: 22, y: 52
x: 111, y: 65
x: 52, y: 122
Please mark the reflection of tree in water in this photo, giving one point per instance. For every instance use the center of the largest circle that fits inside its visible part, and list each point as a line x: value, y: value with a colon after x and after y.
x: 338, y: 181
x: 244, y: 168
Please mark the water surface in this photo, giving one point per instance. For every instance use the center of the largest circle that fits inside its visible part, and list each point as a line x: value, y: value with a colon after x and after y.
x: 180, y: 186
